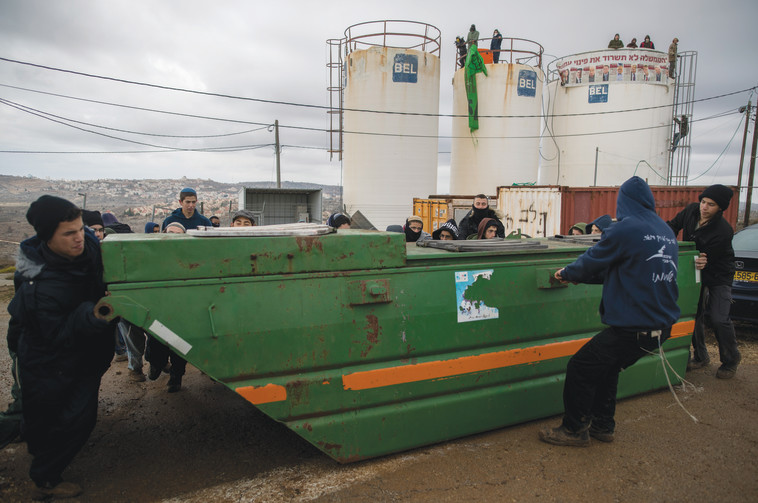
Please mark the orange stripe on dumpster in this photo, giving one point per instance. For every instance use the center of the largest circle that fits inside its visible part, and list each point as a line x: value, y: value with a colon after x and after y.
x: 468, y: 364
x: 263, y: 394
x: 683, y: 328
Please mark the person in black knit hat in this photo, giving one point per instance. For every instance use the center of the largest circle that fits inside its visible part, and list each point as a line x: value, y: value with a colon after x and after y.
x: 64, y: 346
x: 704, y: 224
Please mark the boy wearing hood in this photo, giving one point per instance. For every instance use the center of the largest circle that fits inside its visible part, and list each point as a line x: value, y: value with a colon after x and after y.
x: 64, y: 346
x: 187, y: 215
x: 480, y: 209
x: 704, y: 224
x: 636, y: 260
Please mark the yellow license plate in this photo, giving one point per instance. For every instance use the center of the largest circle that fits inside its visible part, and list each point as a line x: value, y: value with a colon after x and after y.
x: 748, y: 276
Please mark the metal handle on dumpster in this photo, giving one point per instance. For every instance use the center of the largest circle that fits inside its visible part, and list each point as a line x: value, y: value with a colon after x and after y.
x: 369, y: 291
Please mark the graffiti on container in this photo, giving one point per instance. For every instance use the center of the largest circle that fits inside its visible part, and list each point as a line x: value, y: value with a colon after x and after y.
x: 472, y: 289
x: 531, y: 221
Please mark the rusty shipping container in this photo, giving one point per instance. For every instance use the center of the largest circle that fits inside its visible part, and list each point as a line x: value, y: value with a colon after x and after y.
x: 543, y: 211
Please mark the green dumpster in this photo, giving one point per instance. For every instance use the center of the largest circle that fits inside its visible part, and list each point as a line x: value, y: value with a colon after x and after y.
x: 365, y: 345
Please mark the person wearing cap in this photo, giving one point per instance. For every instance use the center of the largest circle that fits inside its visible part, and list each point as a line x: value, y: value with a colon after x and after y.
x: 64, y: 345
x: 187, y: 214
x: 480, y: 209
x: 414, y: 229
x: 447, y: 231
x: 243, y: 218
x: 705, y: 224
x: 338, y: 221
x: 94, y: 221
x: 636, y: 259
x: 577, y: 229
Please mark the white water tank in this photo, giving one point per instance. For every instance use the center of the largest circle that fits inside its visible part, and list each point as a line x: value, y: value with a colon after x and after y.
x: 390, y: 158
x: 505, y: 148
x: 613, y: 103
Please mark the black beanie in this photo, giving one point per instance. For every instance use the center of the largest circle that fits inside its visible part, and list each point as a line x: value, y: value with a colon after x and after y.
x: 47, y: 212
x: 720, y: 194
x: 91, y: 218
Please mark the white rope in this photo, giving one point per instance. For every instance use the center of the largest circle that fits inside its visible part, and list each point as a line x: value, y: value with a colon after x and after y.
x: 664, y: 362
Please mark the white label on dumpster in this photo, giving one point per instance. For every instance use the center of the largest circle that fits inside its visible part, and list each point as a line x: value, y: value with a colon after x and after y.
x: 170, y: 337
x: 468, y: 286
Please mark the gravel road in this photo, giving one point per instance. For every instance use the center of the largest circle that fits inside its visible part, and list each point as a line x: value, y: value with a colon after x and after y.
x: 207, y: 444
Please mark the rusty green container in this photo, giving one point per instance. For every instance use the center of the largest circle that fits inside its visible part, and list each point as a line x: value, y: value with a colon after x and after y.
x: 364, y: 345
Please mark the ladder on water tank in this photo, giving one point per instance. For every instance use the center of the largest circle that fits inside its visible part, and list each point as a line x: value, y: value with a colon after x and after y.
x: 684, y: 103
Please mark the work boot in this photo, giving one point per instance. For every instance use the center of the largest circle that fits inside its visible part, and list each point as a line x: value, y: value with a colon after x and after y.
x: 601, y: 434
x: 154, y: 372
x: 697, y: 364
x: 561, y: 436
x: 174, y: 384
x: 136, y: 375
x: 62, y: 490
x: 725, y: 372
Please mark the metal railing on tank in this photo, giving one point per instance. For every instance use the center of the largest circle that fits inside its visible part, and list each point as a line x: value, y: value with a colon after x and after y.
x: 521, y: 51
x: 393, y: 33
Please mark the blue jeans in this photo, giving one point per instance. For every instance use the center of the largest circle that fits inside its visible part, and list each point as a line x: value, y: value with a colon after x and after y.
x: 134, y: 340
x: 715, y: 302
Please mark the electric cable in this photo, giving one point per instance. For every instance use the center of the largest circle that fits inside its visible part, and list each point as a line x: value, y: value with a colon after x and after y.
x: 324, y: 107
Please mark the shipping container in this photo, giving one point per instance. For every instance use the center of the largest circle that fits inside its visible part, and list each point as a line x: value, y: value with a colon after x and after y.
x: 540, y: 211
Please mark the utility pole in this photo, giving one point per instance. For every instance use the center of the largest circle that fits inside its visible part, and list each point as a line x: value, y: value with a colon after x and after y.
x: 278, y: 151
x: 750, y: 176
x: 744, y: 143
x: 594, y: 183
x: 84, y: 202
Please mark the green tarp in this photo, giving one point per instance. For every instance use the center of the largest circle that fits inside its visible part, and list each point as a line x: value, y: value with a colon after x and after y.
x: 474, y: 65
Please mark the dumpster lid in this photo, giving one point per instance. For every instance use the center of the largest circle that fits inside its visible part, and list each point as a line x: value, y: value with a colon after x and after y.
x: 476, y: 245
x: 583, y: 239
x: 297, y: 229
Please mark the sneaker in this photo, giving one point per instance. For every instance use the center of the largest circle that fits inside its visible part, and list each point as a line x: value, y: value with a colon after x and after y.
x: 726, y: 372
x: 561, y: 436
x: 62, y: 490
x: 697, y: 364
x: 602, y: 435
x: 121, y: 358
x: 174, y: 384
x: 136, y: 375
x: 154, y: 372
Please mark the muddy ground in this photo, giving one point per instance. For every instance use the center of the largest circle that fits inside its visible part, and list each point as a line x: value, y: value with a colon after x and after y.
x: 205, y: 444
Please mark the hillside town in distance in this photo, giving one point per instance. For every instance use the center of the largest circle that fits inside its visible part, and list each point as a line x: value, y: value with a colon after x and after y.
x: 134, y: 202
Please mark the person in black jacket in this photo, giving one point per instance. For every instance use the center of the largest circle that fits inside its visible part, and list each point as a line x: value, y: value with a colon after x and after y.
x: 64, y: 345
x: 704, y: 224
x: 480, y: 210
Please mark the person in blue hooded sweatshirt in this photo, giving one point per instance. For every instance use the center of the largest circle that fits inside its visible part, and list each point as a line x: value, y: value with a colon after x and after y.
x: 636, y: 260
x: 598, y: 225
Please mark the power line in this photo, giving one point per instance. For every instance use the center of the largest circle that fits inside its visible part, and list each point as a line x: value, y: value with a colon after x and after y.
x: 320, y: 130
x: 206, y: 149
x: 3, y: 100
x: 324, y: 107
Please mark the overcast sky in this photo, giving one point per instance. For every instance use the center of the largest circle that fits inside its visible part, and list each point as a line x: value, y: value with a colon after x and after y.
x: 277, y: 51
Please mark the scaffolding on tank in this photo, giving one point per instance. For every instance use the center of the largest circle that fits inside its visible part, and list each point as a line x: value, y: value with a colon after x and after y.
x: 387, y: 33
x: 684, y: 103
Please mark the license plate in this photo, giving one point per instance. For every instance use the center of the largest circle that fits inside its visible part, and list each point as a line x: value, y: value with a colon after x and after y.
x: 747, y: 276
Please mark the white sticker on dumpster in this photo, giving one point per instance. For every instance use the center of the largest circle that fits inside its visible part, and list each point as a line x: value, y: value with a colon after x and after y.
x: 170, y: 337
x: 470, y: 287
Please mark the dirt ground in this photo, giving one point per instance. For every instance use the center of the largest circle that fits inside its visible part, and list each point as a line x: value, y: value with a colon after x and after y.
x: 205, y: 443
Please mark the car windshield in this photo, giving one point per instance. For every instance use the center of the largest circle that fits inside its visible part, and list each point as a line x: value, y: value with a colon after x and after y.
x: 746, y: 239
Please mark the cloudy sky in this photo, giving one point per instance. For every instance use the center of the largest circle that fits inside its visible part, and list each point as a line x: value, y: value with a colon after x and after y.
x: 63, y: 125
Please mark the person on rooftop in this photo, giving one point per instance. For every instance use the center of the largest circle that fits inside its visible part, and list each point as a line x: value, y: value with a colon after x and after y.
x: 616, y: 42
